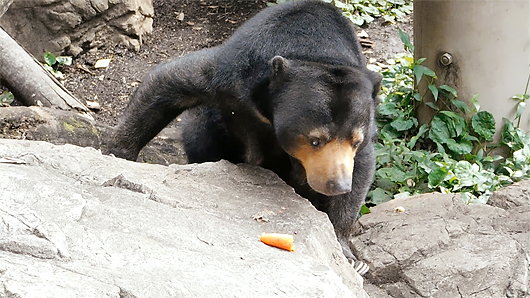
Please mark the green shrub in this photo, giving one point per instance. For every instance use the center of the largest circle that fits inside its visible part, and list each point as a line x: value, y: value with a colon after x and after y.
x: 362, y: 12
x: 453, y: 152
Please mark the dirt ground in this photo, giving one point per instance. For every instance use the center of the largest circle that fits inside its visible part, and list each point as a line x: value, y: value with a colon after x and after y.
x: 206, y: 23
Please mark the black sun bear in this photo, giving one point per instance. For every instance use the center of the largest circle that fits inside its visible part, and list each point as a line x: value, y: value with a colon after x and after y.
x: 289, y: 91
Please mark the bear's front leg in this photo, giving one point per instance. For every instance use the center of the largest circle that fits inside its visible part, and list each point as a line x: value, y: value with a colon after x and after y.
x: 344, y: 209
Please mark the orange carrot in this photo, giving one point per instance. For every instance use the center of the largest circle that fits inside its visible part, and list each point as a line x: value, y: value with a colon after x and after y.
x: 282, y: 241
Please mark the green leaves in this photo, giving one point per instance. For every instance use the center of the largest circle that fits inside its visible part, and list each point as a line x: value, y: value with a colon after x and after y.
x: 6, y: 98
x: 400, y: 171
x: 437, y: 176
x: 449, y: 89
x: 521, y: 105
x: 455, y: 122
x: 483, y: 124
x: 459, y: 147
x: 460, y: 105
x: 362, y: 12
x: 420, y: 71
x: 364, y: 210
x: 451, y: 153
x: 52, y: 63
x: 405, y: 39
x: 64, y: 60
x: 402, y: 124
x: 439, y: 131
x: 388, y: 109
x: 49, y: 58
x: 392, y: 174
x: 434, y: 91
x: 451, y: 131
x: 513, y: 137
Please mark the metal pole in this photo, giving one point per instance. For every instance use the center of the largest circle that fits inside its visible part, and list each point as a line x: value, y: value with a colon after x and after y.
x: 476, y: 46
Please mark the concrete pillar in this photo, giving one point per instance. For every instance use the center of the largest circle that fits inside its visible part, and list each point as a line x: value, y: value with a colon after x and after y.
x: 488, y: 46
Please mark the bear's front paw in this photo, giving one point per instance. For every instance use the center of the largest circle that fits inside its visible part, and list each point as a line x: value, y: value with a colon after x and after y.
x: 361, y: 267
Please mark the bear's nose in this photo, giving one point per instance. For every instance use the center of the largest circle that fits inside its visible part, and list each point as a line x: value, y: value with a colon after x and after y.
x: 337, y: 187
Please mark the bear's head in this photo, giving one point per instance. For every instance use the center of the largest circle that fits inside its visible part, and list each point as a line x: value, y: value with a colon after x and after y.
x: 323, y: 115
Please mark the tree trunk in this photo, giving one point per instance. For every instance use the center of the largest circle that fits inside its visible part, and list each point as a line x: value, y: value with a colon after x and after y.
x: 4, y: 5
x: 30, y: 83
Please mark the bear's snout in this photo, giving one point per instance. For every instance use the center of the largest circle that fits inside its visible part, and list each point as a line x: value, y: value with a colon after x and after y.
x: 337, y: 187
x: 329, y: 168
x: 331, y: 179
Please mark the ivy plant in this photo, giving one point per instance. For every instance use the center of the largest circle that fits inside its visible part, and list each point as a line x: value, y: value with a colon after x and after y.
x: 362, y: 12
x: 453, y: 152
x: 52, y: 64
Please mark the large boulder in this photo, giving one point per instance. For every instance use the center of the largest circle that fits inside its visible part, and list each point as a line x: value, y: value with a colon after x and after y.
x: 75, y: 223
x: 72, y: 26
x: 436, y: 246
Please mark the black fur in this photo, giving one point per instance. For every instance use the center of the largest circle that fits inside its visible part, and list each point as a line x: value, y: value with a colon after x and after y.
x: 249, y: 107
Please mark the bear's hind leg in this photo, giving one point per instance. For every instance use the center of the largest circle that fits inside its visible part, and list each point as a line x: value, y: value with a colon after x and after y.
x: 206, y: 137
x: 164, y: 93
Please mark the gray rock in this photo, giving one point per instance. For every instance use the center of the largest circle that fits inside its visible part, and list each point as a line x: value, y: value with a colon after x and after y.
x: 84, y: 8
x: 79, y: 224
x: 74, y: 50
x: 515, y: 196
x: 4, y: 5
x: 66, y: 127
x: 36, y: 24
x: 100, y: 5
x: 59, y: 17
x: 32, y: 3
x: 48, y: 124
x: 58, y: 44
x: 439, y: 247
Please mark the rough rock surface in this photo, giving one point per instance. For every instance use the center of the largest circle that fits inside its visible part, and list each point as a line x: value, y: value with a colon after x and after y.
x: 78, y: 223
x: 440, y: 247
x: 68, y: 127
x: 72, y: 26
x: 75, y: 223
x: 4, y: 5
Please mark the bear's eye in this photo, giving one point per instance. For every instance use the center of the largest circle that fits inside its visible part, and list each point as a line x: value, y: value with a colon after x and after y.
x: 356, y: 145
x: 314, y: 142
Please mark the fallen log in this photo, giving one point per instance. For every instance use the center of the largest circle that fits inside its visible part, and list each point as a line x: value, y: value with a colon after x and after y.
x: 4, y: 5
x: 30, y: 82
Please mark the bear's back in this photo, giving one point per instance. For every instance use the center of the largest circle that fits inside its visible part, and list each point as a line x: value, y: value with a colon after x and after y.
x: 309, y: 30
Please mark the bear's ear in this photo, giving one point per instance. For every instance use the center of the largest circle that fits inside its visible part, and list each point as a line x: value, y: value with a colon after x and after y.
x: 279, y: 65
x: 376, y: 79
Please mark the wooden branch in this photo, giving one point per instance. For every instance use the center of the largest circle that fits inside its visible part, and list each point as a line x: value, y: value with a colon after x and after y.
x: 30, y: 82
x: 4, y: 5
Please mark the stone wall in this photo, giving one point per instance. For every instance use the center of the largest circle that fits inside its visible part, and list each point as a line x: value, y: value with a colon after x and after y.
x: 73, y: 26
